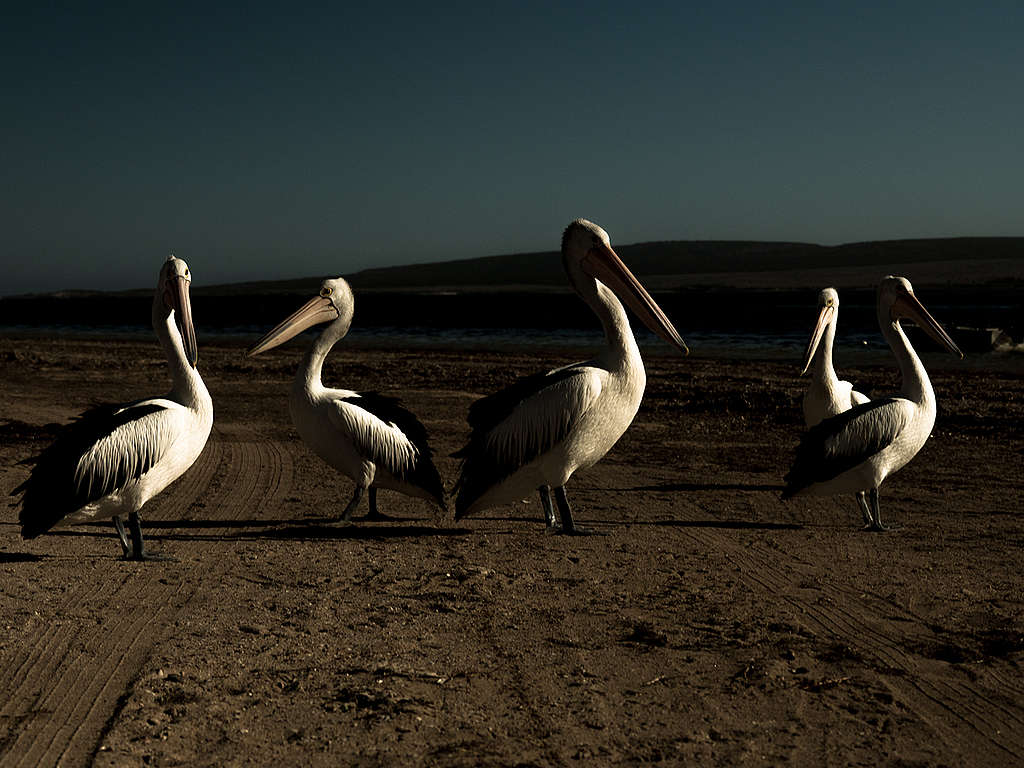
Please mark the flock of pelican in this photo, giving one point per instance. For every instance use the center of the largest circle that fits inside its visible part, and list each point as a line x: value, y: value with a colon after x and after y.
x: 530, y: 437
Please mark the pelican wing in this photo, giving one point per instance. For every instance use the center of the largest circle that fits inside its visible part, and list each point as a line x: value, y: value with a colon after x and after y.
x: 517, y: 425
x: 538, y: 424
x: 390, y: 436
x: 489, y: 411
x: 844, y: 441
x: 95, y: 455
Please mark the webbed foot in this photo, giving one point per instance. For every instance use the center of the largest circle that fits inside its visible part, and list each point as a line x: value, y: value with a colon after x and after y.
x: 575, y: 530
x: 144, y: 556
x: 878, y: 527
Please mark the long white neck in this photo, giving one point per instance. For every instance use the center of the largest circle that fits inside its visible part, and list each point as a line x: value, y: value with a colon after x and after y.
x: 307, y: 378
x: 916, y: 385
x: 187, y: 385
x: 621, y: 352
x: 822, y: 365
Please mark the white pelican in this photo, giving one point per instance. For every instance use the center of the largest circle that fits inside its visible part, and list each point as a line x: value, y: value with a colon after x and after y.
x: 827, y: 395
x: 856, y: 450
x: 533, y: 435
x: 368, y: 437
x: 114, y: 458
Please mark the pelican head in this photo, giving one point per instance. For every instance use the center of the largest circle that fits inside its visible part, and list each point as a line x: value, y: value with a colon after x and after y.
x: 896, y: 301
x: 828, y: 308
x: 334, y: 304
x: 172, y: 296
x: 587, y: 249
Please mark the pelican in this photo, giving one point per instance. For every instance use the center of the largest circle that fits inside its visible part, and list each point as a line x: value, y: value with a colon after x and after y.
x: 533, y: 435
x: 828, y: 395
x: 857, y: 449
x: 366, y: 436
x: 114, y: 458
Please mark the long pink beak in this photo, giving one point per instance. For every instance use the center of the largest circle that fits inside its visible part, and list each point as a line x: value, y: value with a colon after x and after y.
x: 177, y: 297
x: 315, y: 311
x: 907, y: 305
x: 824, y: 318
x: 604, y: 264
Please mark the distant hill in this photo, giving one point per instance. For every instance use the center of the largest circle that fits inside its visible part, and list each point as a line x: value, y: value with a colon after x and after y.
x: 679, y: 264
x: 733, y: 286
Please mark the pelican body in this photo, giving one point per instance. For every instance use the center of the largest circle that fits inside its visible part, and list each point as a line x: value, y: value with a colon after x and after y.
x: 114, y: 458
x: 366, y: 436
x: 535, y: 434
x: 856, y: 450
x: 827, y: 395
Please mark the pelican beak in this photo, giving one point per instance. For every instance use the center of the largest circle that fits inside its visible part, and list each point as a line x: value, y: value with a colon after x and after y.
x: 824, y: 318
x: 176, y: 296
x: 603, y: 263
x: 907, y: 305
x: 317, y: 310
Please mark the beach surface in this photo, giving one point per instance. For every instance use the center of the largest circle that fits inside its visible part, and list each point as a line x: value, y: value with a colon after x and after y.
x: 706, y: 623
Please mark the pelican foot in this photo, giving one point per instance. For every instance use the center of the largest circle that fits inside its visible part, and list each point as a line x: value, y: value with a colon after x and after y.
x: 379, y: 517
x: 874, y: 527
x: 146, y: 557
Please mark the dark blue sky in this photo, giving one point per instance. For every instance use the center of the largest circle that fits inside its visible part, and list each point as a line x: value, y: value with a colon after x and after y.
x: 271, y: 141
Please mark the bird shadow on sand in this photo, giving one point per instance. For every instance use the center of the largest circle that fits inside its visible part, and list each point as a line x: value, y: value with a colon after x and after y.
x: 535, y: 525
x: 19, y: 557
x: 307, y: 529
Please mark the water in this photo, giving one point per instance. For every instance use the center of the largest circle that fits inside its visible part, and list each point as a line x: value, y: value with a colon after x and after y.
x: 740, y: 342
x: 740, y: 323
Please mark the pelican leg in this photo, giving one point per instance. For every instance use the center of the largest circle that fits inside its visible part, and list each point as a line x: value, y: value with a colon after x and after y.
x: 876, y: 523
x: 374, y: 513
x: 865, y: 510
x: 569, y: 528
x: 553, y: 526
x: 126, y: 548
x: 138, y: 549
x: 346, y: 516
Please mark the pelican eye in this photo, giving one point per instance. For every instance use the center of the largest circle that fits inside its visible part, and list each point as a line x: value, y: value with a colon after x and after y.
x: 325, y: 292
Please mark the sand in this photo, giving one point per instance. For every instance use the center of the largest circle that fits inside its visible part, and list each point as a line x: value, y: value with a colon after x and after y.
x: 707, y: 622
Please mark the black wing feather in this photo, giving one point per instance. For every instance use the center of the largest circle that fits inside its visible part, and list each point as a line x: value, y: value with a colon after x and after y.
x: 50, y: 492
x: 820, y: 458
x: 390, y: 410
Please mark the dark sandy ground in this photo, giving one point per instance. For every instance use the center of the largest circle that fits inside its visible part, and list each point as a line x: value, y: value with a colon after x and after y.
x: 708, y: 622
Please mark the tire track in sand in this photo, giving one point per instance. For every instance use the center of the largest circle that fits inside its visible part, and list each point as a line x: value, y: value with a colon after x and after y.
x: 980, y: 719
x: 65, y: 674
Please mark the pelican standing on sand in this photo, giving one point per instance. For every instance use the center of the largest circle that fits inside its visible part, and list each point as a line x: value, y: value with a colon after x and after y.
x: 366, y: 436
x: 828, y: 395
x: 114, y: 458
x: 857, y: 449
x: 533, y: 435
